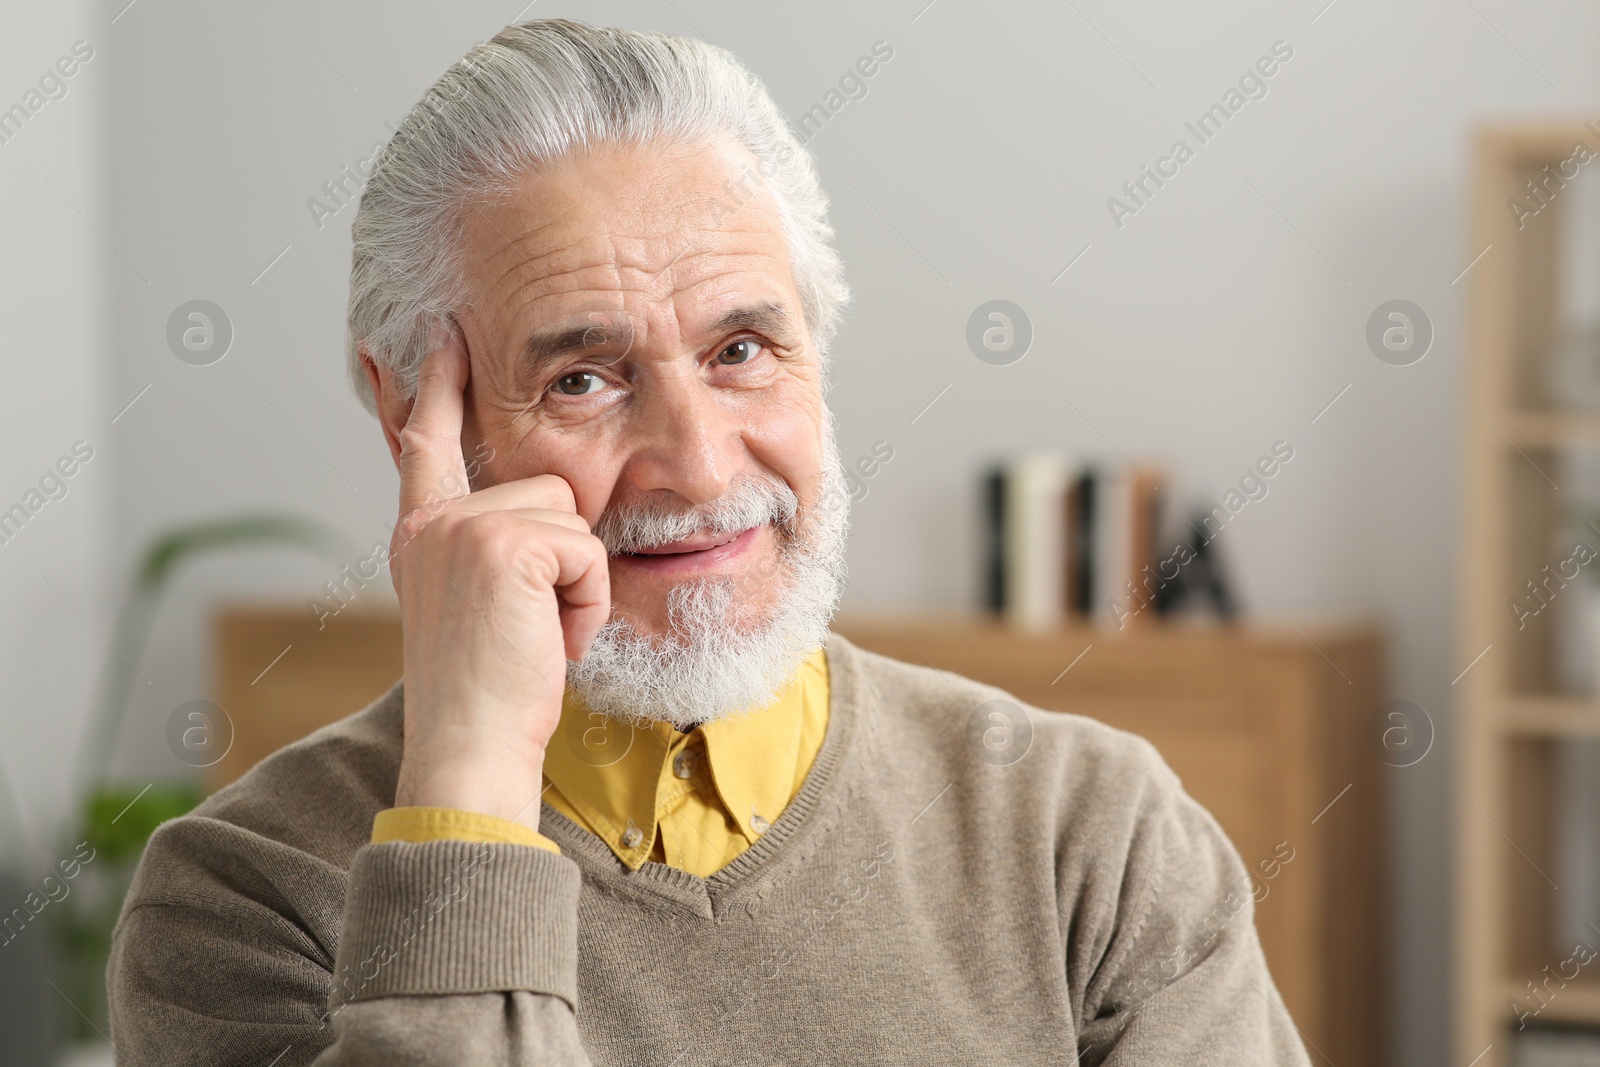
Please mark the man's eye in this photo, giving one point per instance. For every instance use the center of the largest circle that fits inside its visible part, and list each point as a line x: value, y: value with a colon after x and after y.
x: 579, y: 383
x: 738, y: 352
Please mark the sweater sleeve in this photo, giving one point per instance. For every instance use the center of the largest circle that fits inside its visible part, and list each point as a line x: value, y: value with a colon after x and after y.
x: 445, y: 952
x: 1183, y: 978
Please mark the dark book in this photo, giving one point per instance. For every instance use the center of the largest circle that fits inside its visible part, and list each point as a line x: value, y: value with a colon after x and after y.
x: 1080, y: 544
x: 994, y: 526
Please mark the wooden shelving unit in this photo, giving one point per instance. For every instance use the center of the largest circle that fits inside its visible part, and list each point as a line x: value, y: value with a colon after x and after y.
x: 1511, y: 716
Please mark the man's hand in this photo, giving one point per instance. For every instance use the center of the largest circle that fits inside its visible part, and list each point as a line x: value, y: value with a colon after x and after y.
x: 498, y: 589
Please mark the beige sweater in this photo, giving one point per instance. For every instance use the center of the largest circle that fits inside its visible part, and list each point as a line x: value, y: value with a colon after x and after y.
x: 916, y: 903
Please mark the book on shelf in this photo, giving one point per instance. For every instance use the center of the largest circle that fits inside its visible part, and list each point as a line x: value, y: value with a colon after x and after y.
x: 1028, y: 530
x: 1073, y: 543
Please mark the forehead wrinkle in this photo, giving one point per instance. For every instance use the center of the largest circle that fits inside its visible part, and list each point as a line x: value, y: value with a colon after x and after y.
x: 722, y: 277
x: 570, y: 258
x: 628, y: 264
x: 526, y: 261
x: 641, y: 253
x: 538, y: 207
x: 656, y: 285
x: 519, y: 220
x: 565, y: 283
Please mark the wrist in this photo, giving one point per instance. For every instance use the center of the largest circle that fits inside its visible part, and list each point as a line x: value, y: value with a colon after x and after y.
x: 504, y: 788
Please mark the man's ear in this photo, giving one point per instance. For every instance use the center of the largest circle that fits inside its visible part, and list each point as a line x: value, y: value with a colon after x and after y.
x: 393, y: 409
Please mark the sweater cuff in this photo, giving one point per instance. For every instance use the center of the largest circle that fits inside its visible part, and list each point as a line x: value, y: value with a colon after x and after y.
x: 453, y: 917
x: 441, y: 824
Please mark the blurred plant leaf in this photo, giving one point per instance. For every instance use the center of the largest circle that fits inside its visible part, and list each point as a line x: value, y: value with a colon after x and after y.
x: 117, y: 821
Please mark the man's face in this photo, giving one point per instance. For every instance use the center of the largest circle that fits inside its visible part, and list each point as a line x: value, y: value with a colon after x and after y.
x: 634, y: 328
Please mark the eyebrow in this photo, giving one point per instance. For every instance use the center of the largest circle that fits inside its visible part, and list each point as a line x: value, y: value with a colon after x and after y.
x: 770, y: 318
x: 544, y: 346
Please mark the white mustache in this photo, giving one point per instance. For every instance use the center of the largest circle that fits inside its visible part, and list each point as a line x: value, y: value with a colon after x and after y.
x: 756, y: 500
x: 718, y: 659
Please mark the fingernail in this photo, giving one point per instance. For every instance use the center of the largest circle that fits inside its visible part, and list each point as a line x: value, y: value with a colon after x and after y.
x: 438, y: 337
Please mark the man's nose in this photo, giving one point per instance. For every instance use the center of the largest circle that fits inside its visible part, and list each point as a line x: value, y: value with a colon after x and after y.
x: 686, y: 438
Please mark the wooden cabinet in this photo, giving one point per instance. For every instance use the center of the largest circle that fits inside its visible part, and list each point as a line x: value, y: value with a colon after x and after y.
x: 280, y: 675
x: 1267, y: 727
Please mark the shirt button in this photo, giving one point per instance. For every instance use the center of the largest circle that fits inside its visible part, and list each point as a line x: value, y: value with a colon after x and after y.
x: 759, y: 825
x: 683, y: 765
x: 632, y: 836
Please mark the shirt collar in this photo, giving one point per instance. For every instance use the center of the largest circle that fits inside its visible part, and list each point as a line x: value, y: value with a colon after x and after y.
x: 755, y: 757
x: 617, y: 775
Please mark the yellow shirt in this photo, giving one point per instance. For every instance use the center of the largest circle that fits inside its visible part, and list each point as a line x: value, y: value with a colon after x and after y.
x: 693, y: 801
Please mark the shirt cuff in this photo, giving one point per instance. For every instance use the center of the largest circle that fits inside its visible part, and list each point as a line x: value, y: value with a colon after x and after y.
x: 449, y: 824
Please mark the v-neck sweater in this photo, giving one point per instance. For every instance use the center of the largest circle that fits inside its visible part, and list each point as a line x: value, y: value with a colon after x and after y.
x: 927, y: 897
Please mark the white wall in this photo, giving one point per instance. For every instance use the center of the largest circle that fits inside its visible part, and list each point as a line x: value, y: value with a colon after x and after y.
x: 1210, y: 325
x: 53, y: 303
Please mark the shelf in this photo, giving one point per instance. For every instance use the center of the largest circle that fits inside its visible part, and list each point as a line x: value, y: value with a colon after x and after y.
x: 1577, y: 1002
x: 1549, y: 429
x: 1538, y: 141
x: 1550, y: 716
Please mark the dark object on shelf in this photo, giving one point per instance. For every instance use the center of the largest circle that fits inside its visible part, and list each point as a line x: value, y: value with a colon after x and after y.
x: 1080, y: 520
x: 994, y: 517
x: 1199, y: 581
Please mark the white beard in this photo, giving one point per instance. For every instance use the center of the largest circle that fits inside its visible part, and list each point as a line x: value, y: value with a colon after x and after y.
x: 714, y: 663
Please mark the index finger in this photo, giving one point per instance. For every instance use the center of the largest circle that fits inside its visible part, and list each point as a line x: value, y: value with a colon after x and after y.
x: 432, y: 467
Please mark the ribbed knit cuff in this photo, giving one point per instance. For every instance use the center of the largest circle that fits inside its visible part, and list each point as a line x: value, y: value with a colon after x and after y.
x: 445, y: 917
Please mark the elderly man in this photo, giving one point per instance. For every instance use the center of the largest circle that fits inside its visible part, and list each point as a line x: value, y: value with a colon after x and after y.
x: 632, y: 802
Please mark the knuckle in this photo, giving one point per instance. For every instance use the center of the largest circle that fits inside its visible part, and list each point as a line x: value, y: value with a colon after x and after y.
x: 482, y: 534
x: 559, y: 493
x: 414, y: 439
x: 491, y: 540
x: 406, y: 530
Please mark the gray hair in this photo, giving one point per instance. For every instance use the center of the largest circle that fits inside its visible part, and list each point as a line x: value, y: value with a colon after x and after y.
x: 530, y: 96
